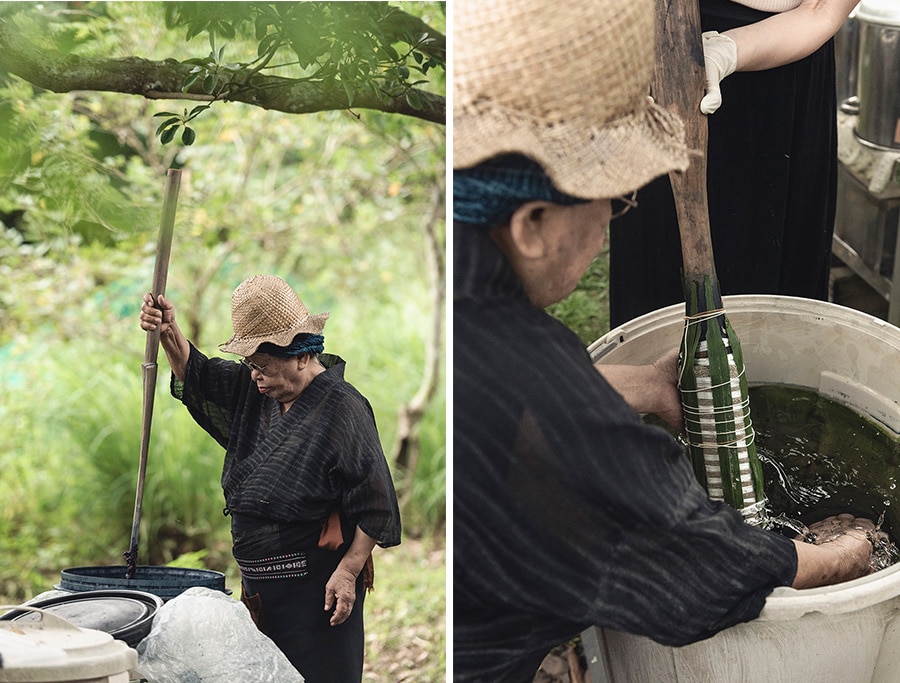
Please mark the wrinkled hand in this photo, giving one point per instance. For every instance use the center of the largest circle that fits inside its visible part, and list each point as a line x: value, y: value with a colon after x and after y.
x: 720, y: 55
x: 340, y: 593
x: 849, y: 533
x: 670, y: 408
x: 649, y: 388
x: 153, y: 317
x: 832, y: 528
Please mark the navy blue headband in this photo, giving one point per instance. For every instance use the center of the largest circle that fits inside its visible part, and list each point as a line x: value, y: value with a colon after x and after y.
x: 486, y: 196
x: 303, y: 343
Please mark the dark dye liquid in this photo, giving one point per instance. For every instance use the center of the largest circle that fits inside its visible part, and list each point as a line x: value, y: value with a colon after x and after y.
x: 821, y: 458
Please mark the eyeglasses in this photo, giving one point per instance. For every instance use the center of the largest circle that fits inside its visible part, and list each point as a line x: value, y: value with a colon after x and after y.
x: 261, y: 369
x: 629, y: 202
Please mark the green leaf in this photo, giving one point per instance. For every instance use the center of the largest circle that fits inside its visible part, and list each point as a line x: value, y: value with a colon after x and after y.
x: 192, y: 31
x: 261, y: 26
x: 210, y: 83
x: 165, y: 124
x: 266, y: 44
x: 348, y: 89
x: 414, y: 101
x: 168, y: 135
x: 188, y: 136
x: 189, y: 81
x: 165, y: 113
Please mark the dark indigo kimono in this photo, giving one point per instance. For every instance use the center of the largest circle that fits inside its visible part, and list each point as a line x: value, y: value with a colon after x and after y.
x: 324, y: 452
x: 568, y: 510
x: 283, y: 476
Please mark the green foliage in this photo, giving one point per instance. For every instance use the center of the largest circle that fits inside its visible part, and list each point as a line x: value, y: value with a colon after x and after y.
x: 77, y: 431
x: 353, y: 41
x: 48, y: 167
x: 68, y: 486
x: 347, y: 43
x: 345, y: 49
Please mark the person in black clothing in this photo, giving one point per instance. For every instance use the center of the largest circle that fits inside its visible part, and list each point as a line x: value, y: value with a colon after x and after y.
x: 771, y: 163
x: 568, y: 510
x: 305, y: 479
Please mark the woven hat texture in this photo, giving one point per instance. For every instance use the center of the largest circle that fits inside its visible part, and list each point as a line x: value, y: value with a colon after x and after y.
x: 566, y: 84
x: 264, y: 308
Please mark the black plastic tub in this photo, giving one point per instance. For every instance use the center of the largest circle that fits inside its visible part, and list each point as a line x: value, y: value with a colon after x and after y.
x: 127, y: 615
x: 166, y: 582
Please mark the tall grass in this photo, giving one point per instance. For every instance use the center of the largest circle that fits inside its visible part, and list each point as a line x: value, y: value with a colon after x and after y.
x: 68, y: 483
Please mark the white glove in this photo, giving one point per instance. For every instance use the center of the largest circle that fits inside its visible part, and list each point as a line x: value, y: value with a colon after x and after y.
x: 720, y: 54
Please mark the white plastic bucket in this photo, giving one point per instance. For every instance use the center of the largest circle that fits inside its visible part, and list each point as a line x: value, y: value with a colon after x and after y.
x: 845, y: 633
x: 52, y: 651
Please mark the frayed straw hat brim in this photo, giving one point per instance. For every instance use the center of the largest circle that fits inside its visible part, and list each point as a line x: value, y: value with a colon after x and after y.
x: 247, y: 345
x: 567, y: 85
x: 583, y: 161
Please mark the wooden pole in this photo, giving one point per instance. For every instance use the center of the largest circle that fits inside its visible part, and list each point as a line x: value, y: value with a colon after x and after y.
x: 151, y: 352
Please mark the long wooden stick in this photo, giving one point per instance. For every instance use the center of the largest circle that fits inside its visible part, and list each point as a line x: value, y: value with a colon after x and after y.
x: 678, y: 85
x: 151, y: 352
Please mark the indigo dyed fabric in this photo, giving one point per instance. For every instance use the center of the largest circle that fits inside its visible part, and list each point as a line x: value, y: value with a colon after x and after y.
x: 568, y: 510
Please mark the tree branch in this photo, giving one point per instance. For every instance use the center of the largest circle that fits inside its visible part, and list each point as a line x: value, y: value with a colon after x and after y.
x: 57, y: 72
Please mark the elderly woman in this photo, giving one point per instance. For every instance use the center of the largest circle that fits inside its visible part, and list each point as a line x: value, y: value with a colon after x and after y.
x: 569, y: 511
x: 305, y: 479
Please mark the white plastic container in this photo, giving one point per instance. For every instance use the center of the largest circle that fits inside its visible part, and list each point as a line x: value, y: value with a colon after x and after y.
x: 847, y: 633
x: 53, y: 651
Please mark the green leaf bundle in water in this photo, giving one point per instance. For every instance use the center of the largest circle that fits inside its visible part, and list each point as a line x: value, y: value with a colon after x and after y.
x: 720, y: 437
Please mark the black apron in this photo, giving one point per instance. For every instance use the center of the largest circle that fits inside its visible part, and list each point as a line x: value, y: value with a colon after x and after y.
x: 283, y: 577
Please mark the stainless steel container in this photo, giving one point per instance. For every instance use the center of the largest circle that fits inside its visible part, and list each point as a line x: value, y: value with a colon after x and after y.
x: 878, y: 84
x: 866, y: 224
x: 846, y: 58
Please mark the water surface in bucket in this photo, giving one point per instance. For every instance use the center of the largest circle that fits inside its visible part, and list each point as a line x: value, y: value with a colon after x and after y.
x: 821, y: 458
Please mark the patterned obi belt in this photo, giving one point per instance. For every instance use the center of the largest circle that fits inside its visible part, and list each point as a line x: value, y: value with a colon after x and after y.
x: 266, y: 549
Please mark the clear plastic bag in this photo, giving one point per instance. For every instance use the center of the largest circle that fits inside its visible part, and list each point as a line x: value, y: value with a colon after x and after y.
x: 205, y: 635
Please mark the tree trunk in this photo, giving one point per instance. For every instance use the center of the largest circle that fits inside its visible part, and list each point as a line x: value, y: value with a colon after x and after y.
x: 405, y: 455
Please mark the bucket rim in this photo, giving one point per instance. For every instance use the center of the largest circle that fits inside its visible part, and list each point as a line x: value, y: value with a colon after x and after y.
x: 785, y: 603
x: 745, y: 303
x: 166, y: 582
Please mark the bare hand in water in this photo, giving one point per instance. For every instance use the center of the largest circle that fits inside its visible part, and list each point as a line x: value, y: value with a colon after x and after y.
x: 832, y: 528
x: 835, y: 549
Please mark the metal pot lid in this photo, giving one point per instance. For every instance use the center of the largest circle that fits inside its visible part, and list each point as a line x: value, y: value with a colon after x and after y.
x: 879, y: 12
x: 115, y: 612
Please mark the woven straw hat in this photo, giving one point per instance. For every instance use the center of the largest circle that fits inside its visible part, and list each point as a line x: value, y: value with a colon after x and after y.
x: 567, y: 85
x: 264, y: 308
